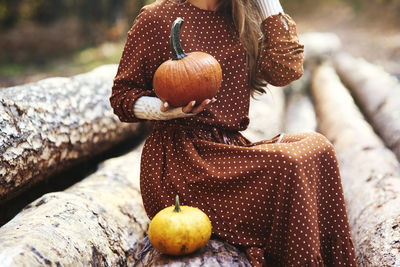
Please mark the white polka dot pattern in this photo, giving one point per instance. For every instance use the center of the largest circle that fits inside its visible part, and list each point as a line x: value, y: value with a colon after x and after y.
x: 281, y: 201
x: 282, y: 59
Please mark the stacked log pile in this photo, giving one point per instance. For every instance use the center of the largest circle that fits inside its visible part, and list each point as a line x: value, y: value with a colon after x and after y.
x: 101, y: 220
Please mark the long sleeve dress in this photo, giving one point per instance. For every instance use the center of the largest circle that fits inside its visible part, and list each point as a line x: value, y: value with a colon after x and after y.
x: 280, y: 199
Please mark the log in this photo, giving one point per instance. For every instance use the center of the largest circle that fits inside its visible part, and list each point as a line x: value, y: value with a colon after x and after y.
x: 96, y: 222
x: 47, y: 126
x: 266, y: 114
x: 370, y: 172
x: 300, y: 114
x: 378, y: 94
x: 216, y: 253
x: 319, y: 45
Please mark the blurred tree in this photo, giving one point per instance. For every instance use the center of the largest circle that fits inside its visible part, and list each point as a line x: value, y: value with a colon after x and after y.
x: 47, y: 11
x: 8, y: 12
x: 44, y: 28
x: 108, y: 11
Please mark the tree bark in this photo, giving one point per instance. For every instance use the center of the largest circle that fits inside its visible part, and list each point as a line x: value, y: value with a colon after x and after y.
x: 378, y: 94
x: 370, y: 172
x: 216, y: 253
x: 48, y: 125
x: 99, y: 221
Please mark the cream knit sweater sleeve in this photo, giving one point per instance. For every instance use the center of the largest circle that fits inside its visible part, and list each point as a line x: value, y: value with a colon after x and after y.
x: 270, y: 7
x: 148, y: 108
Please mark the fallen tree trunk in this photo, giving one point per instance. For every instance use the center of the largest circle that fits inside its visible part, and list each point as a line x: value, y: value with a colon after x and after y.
x: 99, y: 221
x: 378, y: 94
x: 49, y: 125
x: 370, y: 172
x: 266, y: 114
x: 300, y: 113
x: 319, y: 45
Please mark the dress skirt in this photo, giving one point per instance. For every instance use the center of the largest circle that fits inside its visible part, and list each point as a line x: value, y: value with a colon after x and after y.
x: 280, y: 199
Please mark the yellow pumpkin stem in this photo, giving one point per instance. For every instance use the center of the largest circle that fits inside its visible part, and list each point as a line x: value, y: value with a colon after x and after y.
x: 177, y: 206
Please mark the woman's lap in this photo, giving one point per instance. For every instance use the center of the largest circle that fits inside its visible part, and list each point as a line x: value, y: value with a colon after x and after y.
x: 275, y: 196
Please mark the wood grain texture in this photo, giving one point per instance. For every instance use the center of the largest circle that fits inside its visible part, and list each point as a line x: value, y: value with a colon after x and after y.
x: 370, y: 171
x: 48, y: 125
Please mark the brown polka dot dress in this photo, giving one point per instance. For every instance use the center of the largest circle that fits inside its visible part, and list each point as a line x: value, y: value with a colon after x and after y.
x: 280, y: 199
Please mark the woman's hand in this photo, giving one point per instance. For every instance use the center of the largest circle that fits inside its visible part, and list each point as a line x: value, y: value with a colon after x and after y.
x: 152, y: 108
x: 190, y: 108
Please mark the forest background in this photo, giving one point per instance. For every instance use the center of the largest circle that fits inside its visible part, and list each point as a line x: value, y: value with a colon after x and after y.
x: 41, y: 38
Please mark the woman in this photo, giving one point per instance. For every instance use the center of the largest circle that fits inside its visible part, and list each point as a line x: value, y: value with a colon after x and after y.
x: 280, y: 199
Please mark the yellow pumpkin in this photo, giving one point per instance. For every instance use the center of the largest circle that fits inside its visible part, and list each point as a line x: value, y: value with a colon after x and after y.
x: 179, y: 230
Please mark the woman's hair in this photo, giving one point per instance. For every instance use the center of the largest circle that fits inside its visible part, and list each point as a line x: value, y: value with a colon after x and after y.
x: 246, y: 17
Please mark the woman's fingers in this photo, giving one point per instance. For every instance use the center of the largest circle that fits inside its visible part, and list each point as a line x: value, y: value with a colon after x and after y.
x: 191, y: 107
x: 188, y: 108
x: 203, y: 104
x: 200, y: 107
x: 164, y: 107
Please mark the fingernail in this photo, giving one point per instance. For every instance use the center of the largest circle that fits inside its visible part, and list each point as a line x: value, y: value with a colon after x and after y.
x: 193, y: 102
x: 208, y: 101
x: 166, y: 104
x: 214, y: 99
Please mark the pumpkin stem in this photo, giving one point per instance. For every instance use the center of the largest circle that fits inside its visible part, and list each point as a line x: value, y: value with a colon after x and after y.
x: 177, y: 206
x: 176, y: 48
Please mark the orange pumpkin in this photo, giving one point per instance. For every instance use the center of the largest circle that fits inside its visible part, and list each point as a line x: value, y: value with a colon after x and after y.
x: 179, y: 230
x: 186, y: 77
